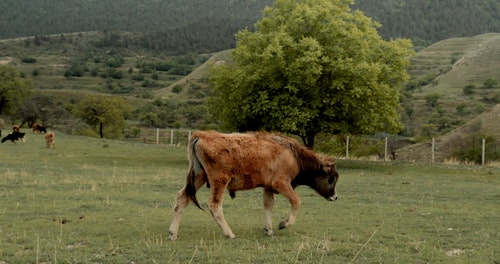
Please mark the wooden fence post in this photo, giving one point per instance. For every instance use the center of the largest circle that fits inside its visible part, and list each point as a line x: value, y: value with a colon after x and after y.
x: 347, y: 148
x: 483, y: 150
x: 433, y: 146
x: 385, y: 150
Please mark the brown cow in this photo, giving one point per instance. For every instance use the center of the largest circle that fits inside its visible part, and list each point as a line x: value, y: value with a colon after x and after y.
x: 50, y: 138
x: 246, y: 161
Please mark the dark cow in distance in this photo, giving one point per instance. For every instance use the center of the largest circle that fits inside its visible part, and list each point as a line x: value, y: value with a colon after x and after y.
x: 13, y: 136
x: 239, y: 162
x: 37, y: 128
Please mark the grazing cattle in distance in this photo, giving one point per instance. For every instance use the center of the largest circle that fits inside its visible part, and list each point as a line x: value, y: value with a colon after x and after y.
x: 50, y: 139
x: 246, y: 161
x: 37, y: 128
x: 14, y: 136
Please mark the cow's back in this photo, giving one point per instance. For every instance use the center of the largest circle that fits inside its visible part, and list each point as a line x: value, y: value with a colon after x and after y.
x: 249, y: 159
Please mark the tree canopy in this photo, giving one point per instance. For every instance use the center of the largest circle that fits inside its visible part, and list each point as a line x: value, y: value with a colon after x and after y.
x: 105, y: 114
x: 13, y: 90
x: 312, y: 66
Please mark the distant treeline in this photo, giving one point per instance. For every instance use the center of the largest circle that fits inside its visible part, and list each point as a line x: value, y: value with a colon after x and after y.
x: 176, y: 26
x: 199, y: 26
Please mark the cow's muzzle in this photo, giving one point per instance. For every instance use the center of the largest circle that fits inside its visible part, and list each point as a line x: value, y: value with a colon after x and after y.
x: 333, y: 198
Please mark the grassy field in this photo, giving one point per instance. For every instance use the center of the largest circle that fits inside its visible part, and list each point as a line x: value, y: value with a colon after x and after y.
x: 101, y: 201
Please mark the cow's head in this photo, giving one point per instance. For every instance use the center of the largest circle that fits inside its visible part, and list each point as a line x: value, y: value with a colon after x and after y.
x: 327, y: 183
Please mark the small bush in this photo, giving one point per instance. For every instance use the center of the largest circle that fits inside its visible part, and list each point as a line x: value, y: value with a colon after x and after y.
x: 432, y: 99
x: 469, y: 149
x: 177, y: 89
x: 114, y: 62
x: 469, y: 89
x: 28, y: 60
x: 490, y: 83
x: 149, y: 84
x: 155, y: 76
x: 138, y: 77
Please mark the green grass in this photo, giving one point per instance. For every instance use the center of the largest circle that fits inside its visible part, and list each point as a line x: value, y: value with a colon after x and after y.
x: 102, y: 201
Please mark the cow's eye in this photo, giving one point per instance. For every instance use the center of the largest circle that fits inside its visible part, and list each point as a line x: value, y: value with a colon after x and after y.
x: 331, y: 179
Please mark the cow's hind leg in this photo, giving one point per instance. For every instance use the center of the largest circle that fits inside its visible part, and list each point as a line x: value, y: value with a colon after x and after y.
x: 181, y: 201
x: 215, y: 205
x: 268, y: 209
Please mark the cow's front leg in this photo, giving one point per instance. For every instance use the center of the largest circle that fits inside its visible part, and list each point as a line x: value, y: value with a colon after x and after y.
x: 215, y: 205
x: 294, y: 200
x: 268, y: 209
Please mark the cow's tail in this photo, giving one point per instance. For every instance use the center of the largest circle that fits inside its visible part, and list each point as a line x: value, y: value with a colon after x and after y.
x: 196, y: 173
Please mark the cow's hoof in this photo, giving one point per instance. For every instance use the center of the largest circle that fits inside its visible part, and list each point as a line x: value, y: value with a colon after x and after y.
x: 269, y: 232
x: 282, y: 224
x: 171, y: 236
x: 232, y: 236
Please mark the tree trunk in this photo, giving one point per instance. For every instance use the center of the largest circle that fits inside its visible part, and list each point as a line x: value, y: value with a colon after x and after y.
x: 309, y: 140
x: 100, y: 130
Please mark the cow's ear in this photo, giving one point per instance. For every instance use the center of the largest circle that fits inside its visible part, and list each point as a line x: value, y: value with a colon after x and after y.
x: 328, y: 165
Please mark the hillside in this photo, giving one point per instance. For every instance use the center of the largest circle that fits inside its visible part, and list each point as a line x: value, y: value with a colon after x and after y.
x: 67, y: 67
x: 486, y: 124
x: 96, y: 62
x: 198, y: 77
x: 443, y: 70
x: 456, y: 61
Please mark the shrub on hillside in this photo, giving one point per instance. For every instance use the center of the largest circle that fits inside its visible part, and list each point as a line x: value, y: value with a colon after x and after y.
x: 177, y: 89
x: 469, y: 148
x: 138, y: 77
x: 114, y: 62
x: 432, y: 99
x: 28, y: 60
x: 490, y: 83
x: 469, y: 89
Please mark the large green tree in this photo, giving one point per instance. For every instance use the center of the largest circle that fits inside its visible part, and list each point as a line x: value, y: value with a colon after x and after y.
x: 312, y: 66
x: 13, y: 90
x: 105, y: 114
